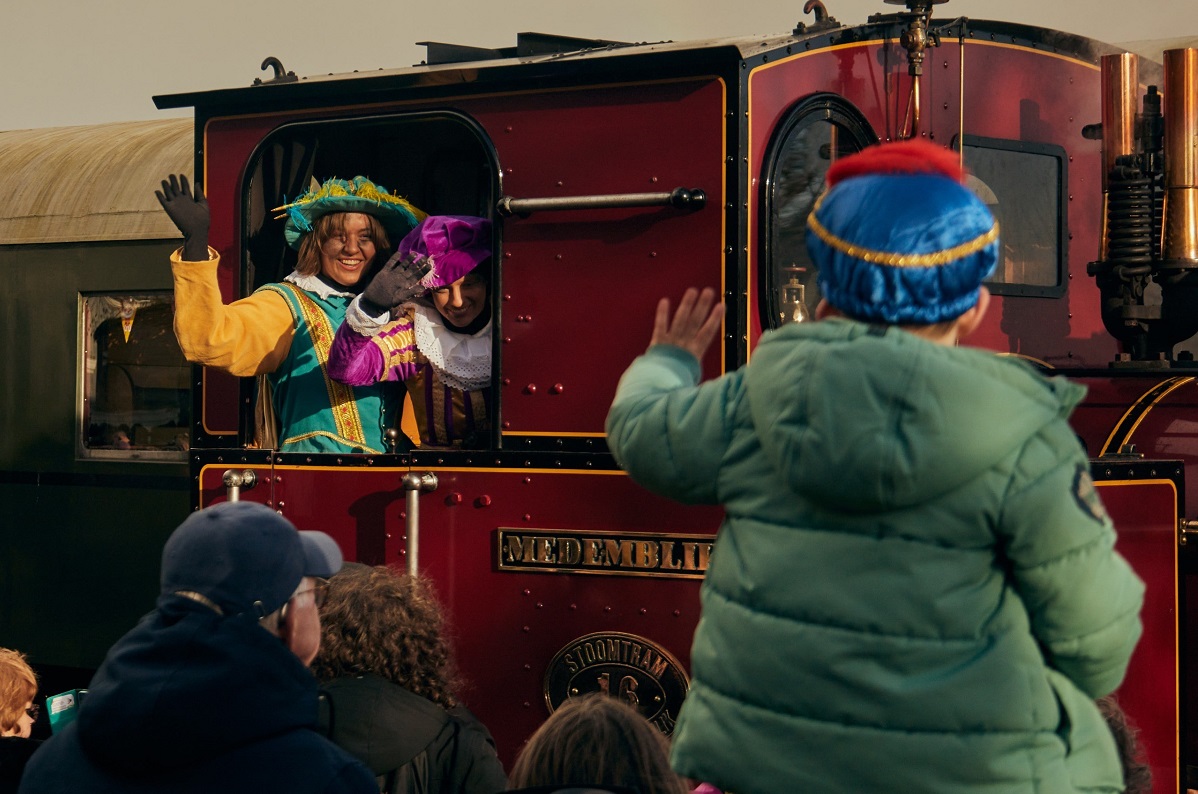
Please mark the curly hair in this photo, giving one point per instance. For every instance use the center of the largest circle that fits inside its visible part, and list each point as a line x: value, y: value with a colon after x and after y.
x: 1137, y: 774
x: 18, y: 685
x: 597, y: 740
x: 331, y: 225
x: 378, y: 621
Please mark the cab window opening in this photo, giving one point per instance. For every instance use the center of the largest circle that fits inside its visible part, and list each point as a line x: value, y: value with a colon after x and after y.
x: 441, y: 163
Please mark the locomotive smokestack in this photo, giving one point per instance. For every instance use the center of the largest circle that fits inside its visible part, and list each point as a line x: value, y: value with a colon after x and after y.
x: 1180, y: 247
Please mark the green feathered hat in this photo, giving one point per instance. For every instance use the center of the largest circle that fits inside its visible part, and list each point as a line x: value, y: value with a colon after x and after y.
x: 359, y: 194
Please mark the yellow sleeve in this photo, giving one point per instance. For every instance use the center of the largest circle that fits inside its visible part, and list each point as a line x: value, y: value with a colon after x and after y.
x: 247, y: 337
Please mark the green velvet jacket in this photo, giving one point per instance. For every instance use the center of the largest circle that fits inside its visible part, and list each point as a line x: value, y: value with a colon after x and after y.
x: 915, y: 586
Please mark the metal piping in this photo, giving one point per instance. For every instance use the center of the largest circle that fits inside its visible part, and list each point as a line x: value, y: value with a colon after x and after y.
x: 1120, y: 102
x: 414, y: 484
x: 1180, y: 226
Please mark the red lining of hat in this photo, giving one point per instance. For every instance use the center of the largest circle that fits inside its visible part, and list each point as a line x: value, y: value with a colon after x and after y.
x: 915, y: 156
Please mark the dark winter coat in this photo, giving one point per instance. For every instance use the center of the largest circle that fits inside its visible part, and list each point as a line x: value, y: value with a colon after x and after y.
x: 14, y: 754
x: 412, y: 744
x: 190, y: 701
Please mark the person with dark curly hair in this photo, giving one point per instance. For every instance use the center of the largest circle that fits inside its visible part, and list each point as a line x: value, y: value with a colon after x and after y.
x: 595, y: 740
x: 387, y: 670
x: 1137, y: 773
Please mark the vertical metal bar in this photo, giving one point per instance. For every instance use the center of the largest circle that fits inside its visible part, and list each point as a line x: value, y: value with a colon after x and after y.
x: 412, y: 527
x: 235, y: 480
x: 413, y: 485
x: 961, y: 98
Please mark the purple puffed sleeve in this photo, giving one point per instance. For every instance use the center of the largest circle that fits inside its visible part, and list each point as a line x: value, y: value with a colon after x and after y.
x: 354, y: 358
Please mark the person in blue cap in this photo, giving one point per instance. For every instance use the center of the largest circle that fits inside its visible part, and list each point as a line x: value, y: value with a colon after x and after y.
x: 211, y: 691
x: 283, y: 331
x: 915, y: 586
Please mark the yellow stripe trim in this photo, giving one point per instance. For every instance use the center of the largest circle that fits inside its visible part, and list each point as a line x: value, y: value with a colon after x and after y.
x: 1177, y: 383
x: 341, y: 397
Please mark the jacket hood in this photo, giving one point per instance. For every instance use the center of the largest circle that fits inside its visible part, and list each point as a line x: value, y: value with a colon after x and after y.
x: 381, y: 723
x: 868, y: 418
x: 187, y: 685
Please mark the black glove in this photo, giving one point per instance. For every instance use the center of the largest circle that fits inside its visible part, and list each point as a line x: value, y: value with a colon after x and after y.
x: 189, y: 213
x: 396, y: 282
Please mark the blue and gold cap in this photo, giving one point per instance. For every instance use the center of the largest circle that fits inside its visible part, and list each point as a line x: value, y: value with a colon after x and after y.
x: 359, y: 194
x: 898, y: 238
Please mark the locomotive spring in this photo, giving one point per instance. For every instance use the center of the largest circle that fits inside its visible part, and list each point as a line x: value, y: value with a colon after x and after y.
x: 1130, y: 210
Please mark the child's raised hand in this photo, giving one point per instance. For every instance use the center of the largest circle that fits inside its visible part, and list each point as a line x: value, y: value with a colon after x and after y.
x: 695, y: 325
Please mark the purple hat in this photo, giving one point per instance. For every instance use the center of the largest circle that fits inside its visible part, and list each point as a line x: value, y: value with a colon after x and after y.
x: 455, y: 244
x: 244, y: 557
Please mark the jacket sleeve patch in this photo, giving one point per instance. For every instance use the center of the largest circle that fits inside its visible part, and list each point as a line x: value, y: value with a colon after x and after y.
x: 1086, y: 495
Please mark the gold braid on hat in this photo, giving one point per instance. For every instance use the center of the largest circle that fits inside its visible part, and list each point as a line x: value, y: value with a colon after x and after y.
x: 890, y: 259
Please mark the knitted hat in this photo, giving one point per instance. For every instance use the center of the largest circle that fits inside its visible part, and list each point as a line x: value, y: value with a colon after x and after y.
x: 898, y: 239
x: 357, y: 195
x: 244, y: 557
x: 455, y: 244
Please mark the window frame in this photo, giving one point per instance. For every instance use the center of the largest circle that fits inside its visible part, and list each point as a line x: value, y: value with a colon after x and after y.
x: 86, y: 372
x: 826, y: 107
x: 249, y: 279
x: 1062, y: 231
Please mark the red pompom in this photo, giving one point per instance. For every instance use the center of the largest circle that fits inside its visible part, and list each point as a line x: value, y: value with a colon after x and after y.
x: 916, y: 156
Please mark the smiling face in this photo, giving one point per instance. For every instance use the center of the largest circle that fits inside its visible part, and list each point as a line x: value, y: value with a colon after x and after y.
x: 462, y: 301
x: 347, y: 254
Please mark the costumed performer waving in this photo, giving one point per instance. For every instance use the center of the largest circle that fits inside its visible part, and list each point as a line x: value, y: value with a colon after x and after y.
x: 285, y: 330
x: 425, y: 319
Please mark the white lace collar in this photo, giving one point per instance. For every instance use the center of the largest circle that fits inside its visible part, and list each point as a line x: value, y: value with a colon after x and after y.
x: 316, y: 285
x: 463, y: 361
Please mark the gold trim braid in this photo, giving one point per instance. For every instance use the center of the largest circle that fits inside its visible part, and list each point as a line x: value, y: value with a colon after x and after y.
x: 889, y: 259
x: 341, y: 396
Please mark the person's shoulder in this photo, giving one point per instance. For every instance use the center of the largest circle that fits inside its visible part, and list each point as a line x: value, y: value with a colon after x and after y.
x: 316, y: 759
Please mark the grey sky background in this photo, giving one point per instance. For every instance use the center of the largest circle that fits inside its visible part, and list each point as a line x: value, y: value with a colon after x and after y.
x: 67, y: 62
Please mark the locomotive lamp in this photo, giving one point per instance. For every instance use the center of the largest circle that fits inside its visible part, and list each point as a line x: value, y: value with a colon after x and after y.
x: 794, y: 298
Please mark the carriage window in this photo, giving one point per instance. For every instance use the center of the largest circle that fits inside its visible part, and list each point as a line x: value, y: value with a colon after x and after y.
x: 1024, y: 185
x: 136, y: 400
x: 815, y: 134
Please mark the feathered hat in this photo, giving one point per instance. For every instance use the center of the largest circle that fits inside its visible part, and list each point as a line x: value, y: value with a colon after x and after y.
x: 898, y: 238
x: 454, y: 244
x: 355, y: 195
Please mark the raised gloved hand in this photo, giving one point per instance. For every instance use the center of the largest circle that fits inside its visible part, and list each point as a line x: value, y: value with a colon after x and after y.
x: 396, y: 282
x: 189, y: 213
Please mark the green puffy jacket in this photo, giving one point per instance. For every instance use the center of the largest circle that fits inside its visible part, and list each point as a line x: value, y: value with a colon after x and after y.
x: 915, y: 587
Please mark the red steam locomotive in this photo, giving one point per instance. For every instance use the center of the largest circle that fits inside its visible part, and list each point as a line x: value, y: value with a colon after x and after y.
x: 618, y: 173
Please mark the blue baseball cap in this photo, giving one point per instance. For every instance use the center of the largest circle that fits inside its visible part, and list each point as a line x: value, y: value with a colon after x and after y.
x: 244, y: 557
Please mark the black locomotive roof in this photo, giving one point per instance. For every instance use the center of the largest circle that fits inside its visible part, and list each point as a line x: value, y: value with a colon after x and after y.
x: 537, y: 58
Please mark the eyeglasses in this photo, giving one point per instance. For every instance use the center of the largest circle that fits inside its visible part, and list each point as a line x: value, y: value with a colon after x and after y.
x: 319, y: 591
x: 34, y: 711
